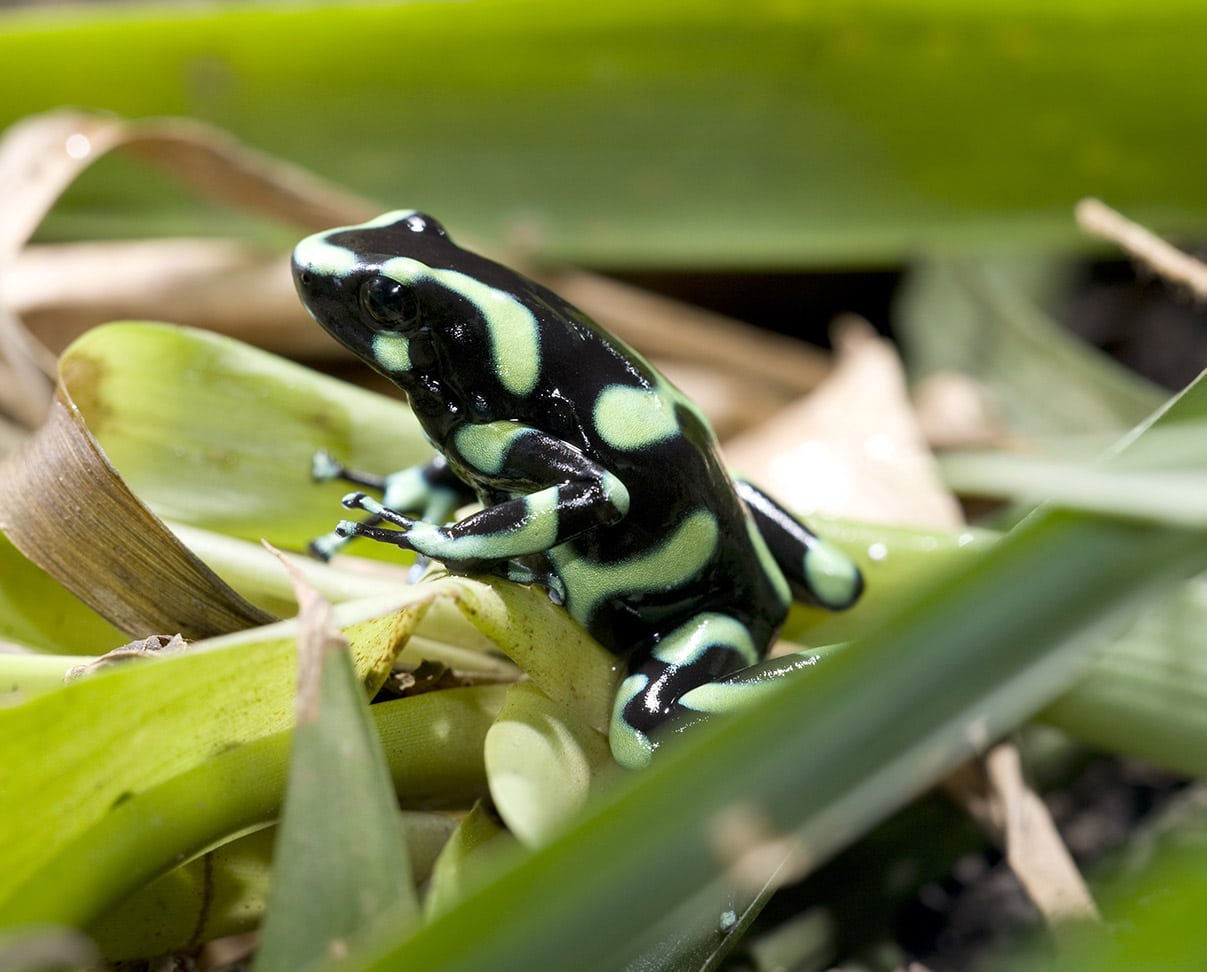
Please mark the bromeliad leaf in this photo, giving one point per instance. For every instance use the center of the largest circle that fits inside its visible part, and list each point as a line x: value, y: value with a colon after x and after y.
x: 341, y: 868
x: 542, y: 763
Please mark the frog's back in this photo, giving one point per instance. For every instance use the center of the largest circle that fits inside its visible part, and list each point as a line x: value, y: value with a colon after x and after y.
x: 687, y: 543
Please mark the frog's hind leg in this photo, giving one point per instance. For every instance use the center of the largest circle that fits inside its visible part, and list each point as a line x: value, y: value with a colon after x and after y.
x: 662, y: 680
x: 817, y: 572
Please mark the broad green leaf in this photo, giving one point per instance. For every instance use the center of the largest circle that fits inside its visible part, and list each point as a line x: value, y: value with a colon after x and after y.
x: 39, y: 613
x: 708, y: 132
x: 542, y: 764
x: 560, y: 658
x: 152, y: 419
x: 210, y: 432
x: 86, y: 767
x: 341, y: 871
x: 434, y: 747
x: 1173, y: 497
x: 894, y: 560
x: 71, y: 759
x: 1146, y: 694
x: 218, y: 893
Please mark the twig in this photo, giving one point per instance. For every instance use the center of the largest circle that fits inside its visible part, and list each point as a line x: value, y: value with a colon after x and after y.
x: 1166, y: 261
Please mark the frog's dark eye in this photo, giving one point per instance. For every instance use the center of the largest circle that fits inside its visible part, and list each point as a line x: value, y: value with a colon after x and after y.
x: 389, y: 303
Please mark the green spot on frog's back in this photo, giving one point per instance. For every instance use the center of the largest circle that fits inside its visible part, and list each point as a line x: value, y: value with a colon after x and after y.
x: 485, y: 446
x: 515, y: 342
x: 673, y: 563
x: 632, y: 418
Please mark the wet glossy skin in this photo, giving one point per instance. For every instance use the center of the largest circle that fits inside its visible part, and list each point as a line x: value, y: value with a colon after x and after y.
x: 598, y: 479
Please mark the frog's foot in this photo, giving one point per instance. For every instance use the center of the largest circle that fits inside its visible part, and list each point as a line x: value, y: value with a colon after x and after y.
x: 348, y: 529
x: 327, y: 546
x: 378, y: 513
x: 325, y: 468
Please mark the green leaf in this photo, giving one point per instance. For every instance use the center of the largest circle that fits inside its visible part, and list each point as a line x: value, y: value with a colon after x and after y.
x: 37, y: 612
x: 79, y: 758
x: 466, y: 859
x: 341, y: 870
x: 240, y: 427
x: 708, y: 132
x: 223, y: 892
x: 1146, y: 694
x: 94, y: 775
x: 542, y: 764
x: 1173, y: 498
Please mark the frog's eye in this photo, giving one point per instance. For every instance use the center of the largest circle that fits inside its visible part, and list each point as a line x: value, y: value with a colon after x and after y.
x: 389, y: 303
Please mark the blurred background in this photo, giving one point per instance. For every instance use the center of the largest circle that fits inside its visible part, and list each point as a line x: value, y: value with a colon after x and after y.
x: 750, y: 157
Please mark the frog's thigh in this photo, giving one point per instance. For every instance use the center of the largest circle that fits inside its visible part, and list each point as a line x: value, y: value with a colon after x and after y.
x: 708, y: 647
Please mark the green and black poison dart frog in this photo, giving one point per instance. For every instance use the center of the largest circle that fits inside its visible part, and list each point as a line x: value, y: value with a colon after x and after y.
x: 598, y: 479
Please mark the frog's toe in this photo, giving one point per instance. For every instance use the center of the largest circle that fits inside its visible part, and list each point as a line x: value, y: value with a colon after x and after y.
x: 324, y: 467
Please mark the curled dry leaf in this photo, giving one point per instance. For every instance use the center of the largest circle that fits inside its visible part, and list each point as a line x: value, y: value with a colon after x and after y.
x: 65, y: 507
x: 155, y: 646
x: 853, y: 448
x: 317, y: 637
x: 955, y: 411
x: 60, y: 290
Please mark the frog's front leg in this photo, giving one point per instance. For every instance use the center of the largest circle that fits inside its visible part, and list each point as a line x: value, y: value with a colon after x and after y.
x: 817, y: 572
x: 557, y: 493
x: 431, y: 489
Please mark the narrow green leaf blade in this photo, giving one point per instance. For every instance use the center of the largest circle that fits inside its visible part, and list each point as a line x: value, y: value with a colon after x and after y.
x: 341, y: 866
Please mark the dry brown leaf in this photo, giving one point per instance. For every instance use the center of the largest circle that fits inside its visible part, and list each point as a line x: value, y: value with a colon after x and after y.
x: 65, y: 508
x: 852, y: 448
x: 955, y: 412
x: 995, y: 793
x: 221, y: 285
x: 317, y: 637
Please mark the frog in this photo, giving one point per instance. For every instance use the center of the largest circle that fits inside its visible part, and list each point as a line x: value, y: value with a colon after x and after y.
x: 593, y: 475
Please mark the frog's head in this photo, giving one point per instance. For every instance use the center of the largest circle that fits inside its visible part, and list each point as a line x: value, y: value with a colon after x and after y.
x: 403, y: 297
x: 364, y: 284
